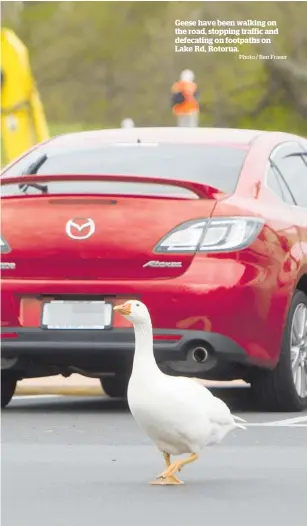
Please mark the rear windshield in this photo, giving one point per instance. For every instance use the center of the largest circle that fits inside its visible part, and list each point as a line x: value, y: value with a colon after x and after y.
x: 215, y: 165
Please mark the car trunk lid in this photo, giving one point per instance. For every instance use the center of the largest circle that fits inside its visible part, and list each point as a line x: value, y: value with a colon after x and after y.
x: 103, y: 237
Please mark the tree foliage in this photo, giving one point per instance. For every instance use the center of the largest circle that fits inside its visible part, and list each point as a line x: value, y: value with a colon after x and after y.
x: 98, y: 62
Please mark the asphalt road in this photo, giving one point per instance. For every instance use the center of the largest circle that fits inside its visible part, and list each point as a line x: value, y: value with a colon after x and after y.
x: 83, y: 461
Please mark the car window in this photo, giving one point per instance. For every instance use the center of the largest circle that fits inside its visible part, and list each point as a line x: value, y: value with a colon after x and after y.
x: 96, y: 188
x: 276, y: 183
x: 293, y: 170
x: 215, y: 165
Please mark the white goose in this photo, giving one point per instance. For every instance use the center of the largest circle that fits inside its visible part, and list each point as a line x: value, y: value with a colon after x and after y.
x: 177, y: 413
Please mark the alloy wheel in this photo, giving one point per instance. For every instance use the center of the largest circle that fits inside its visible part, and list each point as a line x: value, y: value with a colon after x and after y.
x: 299, y: 349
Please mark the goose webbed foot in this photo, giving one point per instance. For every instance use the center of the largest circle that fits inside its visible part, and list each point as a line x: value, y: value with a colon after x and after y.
x: 170, y: 480
x: 176, y: 467
x: 167, y: 481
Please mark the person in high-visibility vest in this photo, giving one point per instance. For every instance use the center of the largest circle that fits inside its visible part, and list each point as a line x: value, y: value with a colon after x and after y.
x: 185, y: 100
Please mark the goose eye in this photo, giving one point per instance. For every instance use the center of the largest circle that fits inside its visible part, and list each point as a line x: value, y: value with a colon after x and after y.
x: 137, y: 304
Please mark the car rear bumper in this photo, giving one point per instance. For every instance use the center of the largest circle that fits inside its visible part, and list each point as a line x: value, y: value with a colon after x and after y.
x: 112, y: 350
x: 235, y: 300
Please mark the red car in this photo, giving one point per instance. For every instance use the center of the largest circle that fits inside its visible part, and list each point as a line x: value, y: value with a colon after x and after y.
x: 208, y: 227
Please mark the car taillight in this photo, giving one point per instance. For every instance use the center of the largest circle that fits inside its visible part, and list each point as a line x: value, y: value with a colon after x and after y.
x: 211, y: 235
x: 9, y: 335
x: 4, y: 245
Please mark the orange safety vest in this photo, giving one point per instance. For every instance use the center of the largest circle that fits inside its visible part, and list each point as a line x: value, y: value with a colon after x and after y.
x: 190, y: 105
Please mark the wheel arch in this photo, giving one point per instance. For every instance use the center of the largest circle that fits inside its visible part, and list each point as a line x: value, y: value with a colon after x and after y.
x: 302, y: 284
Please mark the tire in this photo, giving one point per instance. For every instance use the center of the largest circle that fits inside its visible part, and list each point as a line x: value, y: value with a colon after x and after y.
x: 8, y: 386
x: 276, y: 390
x: 115, y: 386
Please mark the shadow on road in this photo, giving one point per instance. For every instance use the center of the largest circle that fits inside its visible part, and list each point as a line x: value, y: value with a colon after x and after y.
x: 238, y: 400
x: 69, y: 404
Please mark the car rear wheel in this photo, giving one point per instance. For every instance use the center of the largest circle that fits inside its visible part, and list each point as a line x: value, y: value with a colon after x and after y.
x: 115, y: 386
x: 285, y: 388
x: 8, y: 386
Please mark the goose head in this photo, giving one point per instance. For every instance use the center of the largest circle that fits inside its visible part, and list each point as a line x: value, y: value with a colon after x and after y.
x: 135, y: 311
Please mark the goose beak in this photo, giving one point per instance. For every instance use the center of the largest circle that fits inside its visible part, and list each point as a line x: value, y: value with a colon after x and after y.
x: 124, y: 309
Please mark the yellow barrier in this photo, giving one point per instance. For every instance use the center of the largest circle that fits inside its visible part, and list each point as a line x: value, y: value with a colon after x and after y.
x: 23, y: 122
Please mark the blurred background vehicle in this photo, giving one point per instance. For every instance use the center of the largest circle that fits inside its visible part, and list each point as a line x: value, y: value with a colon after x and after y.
x: 23, y: 122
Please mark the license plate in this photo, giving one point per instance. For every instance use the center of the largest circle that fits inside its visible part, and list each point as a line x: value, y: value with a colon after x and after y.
x: 77, y: 315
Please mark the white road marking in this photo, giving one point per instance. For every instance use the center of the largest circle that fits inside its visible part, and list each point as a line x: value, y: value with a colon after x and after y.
x: 290, y: 421
x: 287, y: 422
x: 298, y: 421
x: 271, y: 424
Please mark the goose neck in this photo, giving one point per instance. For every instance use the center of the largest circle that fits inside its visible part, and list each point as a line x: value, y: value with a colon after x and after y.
x: 144, y: 355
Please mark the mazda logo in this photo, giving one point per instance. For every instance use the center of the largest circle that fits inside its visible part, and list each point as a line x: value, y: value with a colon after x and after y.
x: 80, y: 228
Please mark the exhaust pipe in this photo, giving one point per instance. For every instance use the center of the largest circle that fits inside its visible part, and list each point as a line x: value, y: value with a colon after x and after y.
x: 200, y: 354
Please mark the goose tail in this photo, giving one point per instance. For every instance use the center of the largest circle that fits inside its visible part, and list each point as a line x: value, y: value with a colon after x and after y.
x: 240, y: 426
x: 237, y: 423
x: 239, y: 418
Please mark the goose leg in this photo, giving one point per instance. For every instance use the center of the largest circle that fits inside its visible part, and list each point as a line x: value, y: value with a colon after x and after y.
x: 177, y: 466
x: 167, y: 481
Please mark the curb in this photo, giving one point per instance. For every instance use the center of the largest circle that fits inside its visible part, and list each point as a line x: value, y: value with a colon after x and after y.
x: 94, y: 390
x: 59, y: 390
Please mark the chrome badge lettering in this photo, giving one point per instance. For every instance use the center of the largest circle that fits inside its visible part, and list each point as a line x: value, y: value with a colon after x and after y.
x: 163, y: 264
x: 8, y: 266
